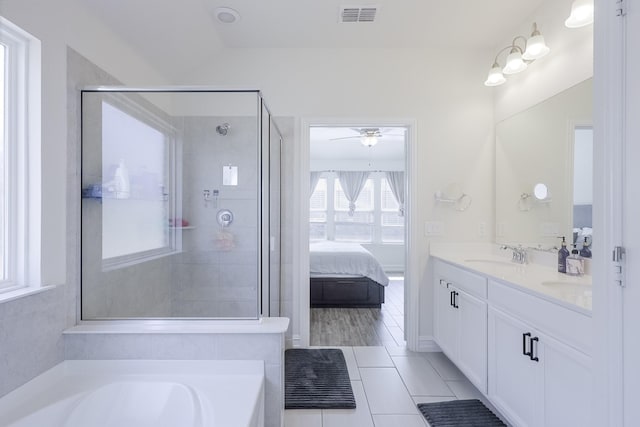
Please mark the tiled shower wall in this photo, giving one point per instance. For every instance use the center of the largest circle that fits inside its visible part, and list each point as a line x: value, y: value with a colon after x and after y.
x: 214, y: 276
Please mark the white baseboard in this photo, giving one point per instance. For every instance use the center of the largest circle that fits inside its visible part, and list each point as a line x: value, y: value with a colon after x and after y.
x: 428, y: 344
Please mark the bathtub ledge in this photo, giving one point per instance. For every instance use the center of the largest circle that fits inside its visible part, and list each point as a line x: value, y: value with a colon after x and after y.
x: 267, y: 325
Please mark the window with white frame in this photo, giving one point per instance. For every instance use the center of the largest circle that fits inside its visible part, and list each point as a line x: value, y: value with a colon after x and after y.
x: 18, y: 67
x: 318, y: 211
x: 3, y: 169
x: 375, y: 220
x: 391, y: 222
x: 136, y: 170
x: 357, y: 227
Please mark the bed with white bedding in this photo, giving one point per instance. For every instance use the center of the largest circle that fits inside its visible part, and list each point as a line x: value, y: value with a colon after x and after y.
x: 345, y: 275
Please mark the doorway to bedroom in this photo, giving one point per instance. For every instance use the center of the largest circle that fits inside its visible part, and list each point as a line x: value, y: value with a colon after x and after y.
x: 357, y: 234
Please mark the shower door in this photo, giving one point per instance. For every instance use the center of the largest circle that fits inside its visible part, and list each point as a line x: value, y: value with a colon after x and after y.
x: 174, y: 190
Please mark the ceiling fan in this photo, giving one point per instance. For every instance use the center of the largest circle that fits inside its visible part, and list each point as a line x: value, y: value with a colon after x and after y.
x: 368, y: 136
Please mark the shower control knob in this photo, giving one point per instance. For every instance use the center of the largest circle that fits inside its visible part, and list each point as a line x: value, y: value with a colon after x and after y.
x: 224, y: 217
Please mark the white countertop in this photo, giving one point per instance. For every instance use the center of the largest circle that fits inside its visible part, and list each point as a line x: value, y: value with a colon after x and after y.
x: 573, y: 292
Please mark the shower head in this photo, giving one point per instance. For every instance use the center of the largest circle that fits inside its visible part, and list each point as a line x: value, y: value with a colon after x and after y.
x: 223, y: 128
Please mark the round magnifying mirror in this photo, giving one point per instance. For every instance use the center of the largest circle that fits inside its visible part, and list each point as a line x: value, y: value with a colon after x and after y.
x: 541, y: 191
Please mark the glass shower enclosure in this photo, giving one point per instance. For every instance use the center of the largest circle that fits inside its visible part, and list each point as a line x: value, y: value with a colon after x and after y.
x: 180, y: 205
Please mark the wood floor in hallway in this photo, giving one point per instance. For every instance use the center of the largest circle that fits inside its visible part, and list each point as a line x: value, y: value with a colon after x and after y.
x: 362, y: 326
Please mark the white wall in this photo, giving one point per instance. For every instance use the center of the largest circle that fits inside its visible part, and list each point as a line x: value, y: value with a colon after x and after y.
x: 362, y: 164
x: 441, y: 90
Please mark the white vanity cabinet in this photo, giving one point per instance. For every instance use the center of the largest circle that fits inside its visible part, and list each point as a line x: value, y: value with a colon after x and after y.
x: 528, y: 353
x: 461, y: 320
x: 534, y: 379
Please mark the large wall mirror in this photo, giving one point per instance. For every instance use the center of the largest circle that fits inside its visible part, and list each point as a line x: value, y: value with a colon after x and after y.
x: 544, y: 171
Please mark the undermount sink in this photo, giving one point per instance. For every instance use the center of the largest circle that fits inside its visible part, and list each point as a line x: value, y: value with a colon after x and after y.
x: 494, y: 262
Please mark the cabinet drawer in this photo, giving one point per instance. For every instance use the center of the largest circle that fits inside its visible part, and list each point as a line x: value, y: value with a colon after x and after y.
x: 565, y: 325
x: 471, y: 283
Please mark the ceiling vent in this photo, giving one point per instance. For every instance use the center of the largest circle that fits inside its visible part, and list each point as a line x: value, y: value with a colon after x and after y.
x: 349, y: 14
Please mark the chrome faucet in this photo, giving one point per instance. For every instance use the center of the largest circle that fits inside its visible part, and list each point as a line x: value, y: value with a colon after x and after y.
x: 518, y: 254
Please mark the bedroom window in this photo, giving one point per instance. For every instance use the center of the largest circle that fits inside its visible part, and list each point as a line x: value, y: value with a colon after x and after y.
x: 318, y: 211
x: 359, y: 226
x: 375, y: 220
x: 391, y: 223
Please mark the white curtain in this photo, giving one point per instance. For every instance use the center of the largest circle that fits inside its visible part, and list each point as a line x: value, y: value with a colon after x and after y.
x: 313, y: 181
x: 396, y: 182
x: 352, y: 184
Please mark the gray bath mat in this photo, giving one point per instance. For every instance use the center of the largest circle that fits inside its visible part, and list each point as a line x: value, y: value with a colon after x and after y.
x: 459, y: 413
x: 316, y: 379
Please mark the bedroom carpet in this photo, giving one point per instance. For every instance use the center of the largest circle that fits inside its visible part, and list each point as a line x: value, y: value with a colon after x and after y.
x: 316, y: 379
x: 459, y: 413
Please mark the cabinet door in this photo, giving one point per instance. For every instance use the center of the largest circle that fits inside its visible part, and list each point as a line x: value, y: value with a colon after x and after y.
x: 567, y: 385
x: 446, y: 319
x: 472, y: 345
x: 514, y: 379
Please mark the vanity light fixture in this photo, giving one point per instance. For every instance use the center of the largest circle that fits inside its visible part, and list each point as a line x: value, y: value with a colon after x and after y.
x: 518, y: 58
x: 581, y: 14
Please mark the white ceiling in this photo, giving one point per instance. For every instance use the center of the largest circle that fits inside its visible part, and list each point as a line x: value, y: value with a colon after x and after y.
x: 179, y: 35
x: 326, y: 147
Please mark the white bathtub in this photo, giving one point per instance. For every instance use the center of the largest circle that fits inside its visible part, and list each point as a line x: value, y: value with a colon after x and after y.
x: 140, y: 393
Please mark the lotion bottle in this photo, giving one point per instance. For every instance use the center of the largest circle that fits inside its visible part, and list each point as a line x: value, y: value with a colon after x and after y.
x: 575, y: 264
x: 563, y: 254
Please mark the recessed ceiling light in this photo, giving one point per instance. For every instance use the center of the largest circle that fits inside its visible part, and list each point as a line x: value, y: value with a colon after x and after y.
x: 226, y: 15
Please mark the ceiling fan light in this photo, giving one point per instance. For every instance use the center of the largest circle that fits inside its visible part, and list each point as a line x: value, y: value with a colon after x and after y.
x: 581, y: 14
x: 515, y: 63
x: 369, y: 140
x: 495, y: 78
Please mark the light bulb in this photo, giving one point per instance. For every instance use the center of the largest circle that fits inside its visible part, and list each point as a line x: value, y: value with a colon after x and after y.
x: 369, y: 140
x: 581, y: 14
x: 514, y: 64
x: 495, y: 78
x: 536, y: 47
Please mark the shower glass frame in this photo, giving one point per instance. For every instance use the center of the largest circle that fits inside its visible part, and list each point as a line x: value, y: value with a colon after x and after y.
x: 268, y: 142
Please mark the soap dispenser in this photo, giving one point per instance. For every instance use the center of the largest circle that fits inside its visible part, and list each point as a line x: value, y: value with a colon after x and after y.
x: 585, y: 252
x: 563, y: 254
x: 575, y: 264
